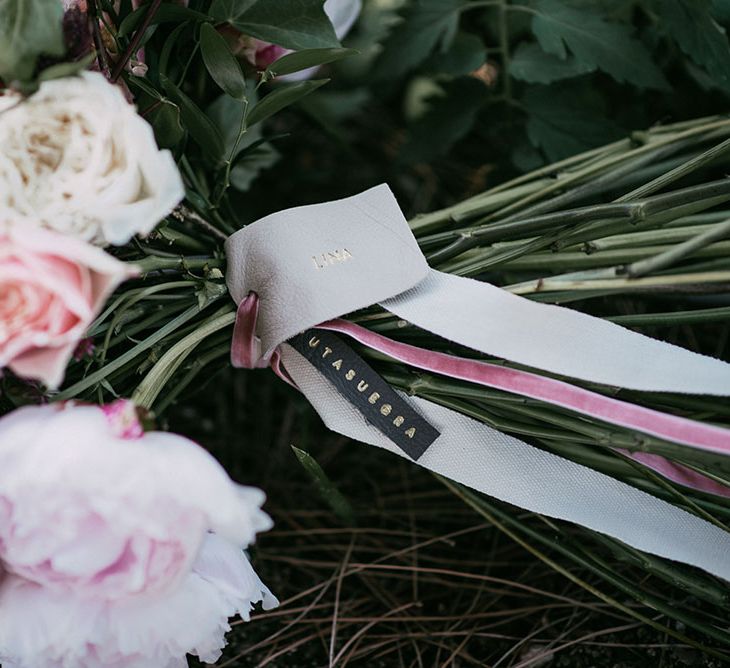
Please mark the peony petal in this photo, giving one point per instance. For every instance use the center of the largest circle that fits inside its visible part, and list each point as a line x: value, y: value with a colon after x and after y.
x: 39, y: 627
x: 226, y: 566
x: 107, y: 558
x: 160, y: 493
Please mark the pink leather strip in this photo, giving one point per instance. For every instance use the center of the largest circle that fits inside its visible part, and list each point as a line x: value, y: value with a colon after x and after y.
x: 678, y: 473
x: 244, y: 348
x: 559, y: 393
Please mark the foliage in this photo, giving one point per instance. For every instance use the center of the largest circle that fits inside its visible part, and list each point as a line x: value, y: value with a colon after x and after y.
x: 428, y: 23
x: 295, y: 24
x: 221, y: 63
x: 595, y: 43
x: 626, y: 53
x: 698, y: 34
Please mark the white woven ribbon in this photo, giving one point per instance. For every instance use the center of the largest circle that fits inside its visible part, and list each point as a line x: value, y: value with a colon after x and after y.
x: 556, y: 339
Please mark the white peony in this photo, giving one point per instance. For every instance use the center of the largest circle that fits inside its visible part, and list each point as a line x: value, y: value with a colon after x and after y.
x: 76, y: 157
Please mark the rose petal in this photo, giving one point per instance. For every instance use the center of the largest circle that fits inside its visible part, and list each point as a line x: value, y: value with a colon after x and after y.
x: 70, y: 279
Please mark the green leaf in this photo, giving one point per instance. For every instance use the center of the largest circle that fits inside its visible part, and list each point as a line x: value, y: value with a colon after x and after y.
x: 199, y: 126
x: 466, y: 54
x: 565, y: 119
x: 294, y: 24
x: 197, y: 200
x: 221, y: 63
x: 60, y: 70
x: 165, y: 121
x: 253, y: 152
x: 282, y: 97
x: 330, y: 107
x: 145, y: 86
x: 209, y: 291
x: 167, y: 13
x: 691, y: 25
x: 57, y: 71
x: 530, y: 63
x: 302, y: 60
x: 251, y: 163
x: 332, y: 496
x: 449, y: 118
x: 227, y: 114
x: 28, y: 28
x: 169, y: 44
x: 525, y: 156
x: 721, y: 10
x: 424, y: 25
x: 595, y: 42
x: 108, y: 387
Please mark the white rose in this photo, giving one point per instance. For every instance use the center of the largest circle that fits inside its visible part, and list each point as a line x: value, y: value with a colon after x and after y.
x: 77, y: 158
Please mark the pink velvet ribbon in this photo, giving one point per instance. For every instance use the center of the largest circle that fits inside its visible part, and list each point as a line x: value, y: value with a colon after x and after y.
x: 245, y: 353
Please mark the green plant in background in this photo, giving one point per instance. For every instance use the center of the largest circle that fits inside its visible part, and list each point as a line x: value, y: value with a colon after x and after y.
x: 561, y: 76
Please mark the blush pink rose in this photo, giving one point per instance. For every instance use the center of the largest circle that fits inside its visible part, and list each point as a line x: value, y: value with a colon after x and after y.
x: 121, y: 548
x: 51, y: 288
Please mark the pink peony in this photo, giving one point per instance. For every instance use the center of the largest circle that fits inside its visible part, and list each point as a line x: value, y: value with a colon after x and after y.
x: 51, y: 288
x: 121, y: 548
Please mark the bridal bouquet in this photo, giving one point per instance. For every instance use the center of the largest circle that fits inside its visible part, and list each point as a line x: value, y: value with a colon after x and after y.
x: 130, y: 267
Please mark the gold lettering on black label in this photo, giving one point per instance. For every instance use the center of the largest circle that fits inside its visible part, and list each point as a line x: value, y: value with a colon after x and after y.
x: 375, y: 399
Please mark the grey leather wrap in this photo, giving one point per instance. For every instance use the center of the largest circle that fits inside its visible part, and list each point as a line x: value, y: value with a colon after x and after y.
x: 314, y: 263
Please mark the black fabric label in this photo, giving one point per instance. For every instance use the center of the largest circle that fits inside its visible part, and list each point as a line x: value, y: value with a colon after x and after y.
x: 360, y: 384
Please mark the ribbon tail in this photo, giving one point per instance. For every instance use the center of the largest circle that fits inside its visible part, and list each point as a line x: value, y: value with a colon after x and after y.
x: 553, y: 338
x: 510, y: 470
x: 523, y: 383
